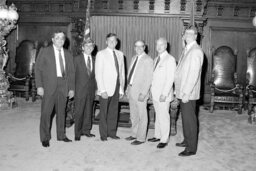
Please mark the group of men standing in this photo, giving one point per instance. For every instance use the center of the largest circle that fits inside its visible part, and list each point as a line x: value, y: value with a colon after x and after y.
x: 59, y: 76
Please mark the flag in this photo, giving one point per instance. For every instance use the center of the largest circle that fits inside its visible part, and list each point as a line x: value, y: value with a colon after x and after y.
x: 87, y: 22
x: 192, y: 15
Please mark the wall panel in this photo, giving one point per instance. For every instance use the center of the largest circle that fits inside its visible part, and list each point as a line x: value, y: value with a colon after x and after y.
x: 131, y: 28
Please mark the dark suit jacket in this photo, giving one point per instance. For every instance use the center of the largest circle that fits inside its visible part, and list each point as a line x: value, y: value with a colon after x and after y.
x: 45, y: 71
x: 84, y: 84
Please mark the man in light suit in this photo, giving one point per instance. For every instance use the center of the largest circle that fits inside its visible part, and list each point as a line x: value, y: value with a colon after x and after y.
x: 187, y: 87
x: 109, y: 72
x: 85, y: 85
x: 162, y: 92
x: 139, y: 81
x: 54, y: 73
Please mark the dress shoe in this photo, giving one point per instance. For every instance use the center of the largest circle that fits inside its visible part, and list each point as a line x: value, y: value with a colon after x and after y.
x: 137, y: 142
x: 182, y: 144
x: 186, y: 153
x: 153, y: 139
x: 103, y: 139
x: 88, y: 135
x: 45, y: 144
x: 77, y: 138
x: 115, y: 137
x: 130, y: 138
x: 161, y: 145
x: 65, y: 140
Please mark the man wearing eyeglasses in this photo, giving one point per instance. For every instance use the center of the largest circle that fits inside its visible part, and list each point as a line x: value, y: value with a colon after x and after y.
x: 139, y: 81
x: 187, y: 87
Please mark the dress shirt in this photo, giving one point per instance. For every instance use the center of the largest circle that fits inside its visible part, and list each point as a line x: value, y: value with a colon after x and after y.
x: 86, y: 60
x: 189, y: 46
x: 139, y: 57
x: 162, y: 55
x: 56, y: 54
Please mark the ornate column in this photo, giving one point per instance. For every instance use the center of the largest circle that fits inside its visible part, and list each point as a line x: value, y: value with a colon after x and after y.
x: 8, y: 19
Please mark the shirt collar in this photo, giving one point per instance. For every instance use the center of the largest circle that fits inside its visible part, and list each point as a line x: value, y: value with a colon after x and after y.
x: 139, y: 56
x: 110, y: 50
x: 55, y: 48
x: 190, y: 45
x: 86, y: 56
x: 163, y: 54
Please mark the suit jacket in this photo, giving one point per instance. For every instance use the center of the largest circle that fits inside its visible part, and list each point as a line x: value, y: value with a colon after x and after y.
x: 46, y: 74
x: 163, y: 77
x: 142, y: 76
x: 188, y: 73
x: 105, y: 71
x: 85, y: 84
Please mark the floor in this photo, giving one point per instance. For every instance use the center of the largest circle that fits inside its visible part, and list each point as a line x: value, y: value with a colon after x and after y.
x: 227, y: 142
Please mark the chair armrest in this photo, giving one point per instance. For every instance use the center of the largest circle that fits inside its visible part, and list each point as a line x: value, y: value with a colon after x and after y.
x: 12, y: 78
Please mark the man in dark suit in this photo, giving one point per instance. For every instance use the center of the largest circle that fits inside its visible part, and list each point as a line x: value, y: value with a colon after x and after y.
x: 54, y: 72
x: 85, y: 86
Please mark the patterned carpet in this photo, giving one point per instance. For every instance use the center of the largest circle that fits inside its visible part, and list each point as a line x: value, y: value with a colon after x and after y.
x: 226, y: 143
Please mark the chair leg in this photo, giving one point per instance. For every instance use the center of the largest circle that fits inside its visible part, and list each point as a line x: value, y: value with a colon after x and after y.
x: 212, y: 104
x: 27, y: 95
x: 33, y: 91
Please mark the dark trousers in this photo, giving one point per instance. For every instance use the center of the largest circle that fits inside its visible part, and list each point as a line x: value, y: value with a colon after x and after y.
x: 189, y: 123
x: 109, y: 114
x: 58, y: 101
x: 83, y: 114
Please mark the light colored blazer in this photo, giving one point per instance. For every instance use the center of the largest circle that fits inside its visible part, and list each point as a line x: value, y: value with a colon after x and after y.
x: 105, y: 71
x: 163, y: 77
x: 142, y: 76
x: 188, y: 73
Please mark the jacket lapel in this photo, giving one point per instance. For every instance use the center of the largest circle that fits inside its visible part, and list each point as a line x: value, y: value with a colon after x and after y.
x: 52, y: 55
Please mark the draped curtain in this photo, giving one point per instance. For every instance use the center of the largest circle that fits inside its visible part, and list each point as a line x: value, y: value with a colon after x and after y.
x: 132, y: 28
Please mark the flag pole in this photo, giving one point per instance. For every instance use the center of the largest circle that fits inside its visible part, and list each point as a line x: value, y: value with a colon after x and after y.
x: 192, y: 15
x: 87, y: 22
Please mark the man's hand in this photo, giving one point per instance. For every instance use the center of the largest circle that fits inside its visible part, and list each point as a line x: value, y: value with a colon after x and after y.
x: 141, y: 97
x: 71, y: 94
x: 121, y: 95
x: 185, y: 98
x: 40, y: 91
x: 162, y: 98
x: 127, y: 91
x: 104, y: 95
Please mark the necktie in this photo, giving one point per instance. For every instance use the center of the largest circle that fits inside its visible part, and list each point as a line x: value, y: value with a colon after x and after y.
x: 62, y: 69
x: 157, y: 61
x: 132, y: 70
x: 116, y: 63
x: 89, y: 69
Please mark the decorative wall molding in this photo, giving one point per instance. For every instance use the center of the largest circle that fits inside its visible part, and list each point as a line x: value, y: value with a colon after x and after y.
x: 242, y: 9
x: 113, y: 7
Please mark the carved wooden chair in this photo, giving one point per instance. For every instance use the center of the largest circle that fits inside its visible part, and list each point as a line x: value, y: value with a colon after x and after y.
x: 225, y: 89
x: 22, y: 81
x: 251, y: 80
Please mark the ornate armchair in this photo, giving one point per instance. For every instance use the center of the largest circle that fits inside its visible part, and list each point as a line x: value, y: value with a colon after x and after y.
x: 23, y: 79
x: 251, y: 80
x: 224, y: 86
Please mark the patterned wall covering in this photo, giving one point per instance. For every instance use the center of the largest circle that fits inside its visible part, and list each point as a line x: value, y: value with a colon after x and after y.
x: 129, y: 29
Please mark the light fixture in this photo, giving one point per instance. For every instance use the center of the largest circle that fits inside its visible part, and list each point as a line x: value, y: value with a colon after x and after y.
x: 8, y: 20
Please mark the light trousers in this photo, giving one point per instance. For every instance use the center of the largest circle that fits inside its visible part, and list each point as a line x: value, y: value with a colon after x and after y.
x: 162, y: 120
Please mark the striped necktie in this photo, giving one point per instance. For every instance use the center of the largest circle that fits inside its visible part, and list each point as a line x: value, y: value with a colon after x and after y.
x: 62, y: 69
x: 132, y: 70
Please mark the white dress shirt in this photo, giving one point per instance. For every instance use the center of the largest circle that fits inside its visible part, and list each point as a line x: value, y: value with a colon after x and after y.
x: 189, y: 46
x: 56, y: 53
x: 139, y: 57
